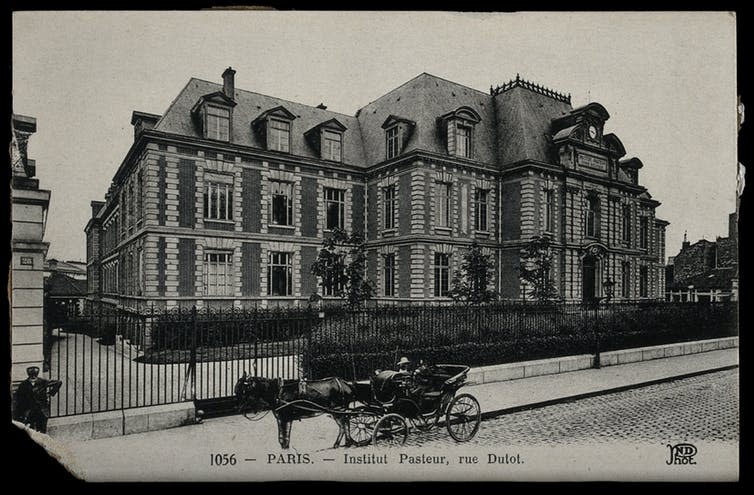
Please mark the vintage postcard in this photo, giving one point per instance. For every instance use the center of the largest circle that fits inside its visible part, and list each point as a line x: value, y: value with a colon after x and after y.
x: 377, y: 246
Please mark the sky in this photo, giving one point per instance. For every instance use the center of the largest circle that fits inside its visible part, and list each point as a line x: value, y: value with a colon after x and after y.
x: 667, y: 80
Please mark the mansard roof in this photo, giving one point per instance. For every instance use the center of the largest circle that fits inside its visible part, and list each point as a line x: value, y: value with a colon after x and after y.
x: 249, y: 107
x: 524, y: 124
x: 517, y: 122
x: 423, y: 99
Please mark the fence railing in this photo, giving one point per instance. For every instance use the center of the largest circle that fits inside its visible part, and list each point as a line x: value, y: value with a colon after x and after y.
x: 354, y: 344
x: 112, y: 358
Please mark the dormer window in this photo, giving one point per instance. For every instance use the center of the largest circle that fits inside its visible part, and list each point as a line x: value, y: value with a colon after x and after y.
x: 392, y: 145
x: 327, y: 139
x: 213, y: 115
x: 398, y: 130
x: 463, y: 140
x: 457, y: 130
x: 332, y: 146
x: 218, y: 123
x: 280, y: 135
x: 274, y: 129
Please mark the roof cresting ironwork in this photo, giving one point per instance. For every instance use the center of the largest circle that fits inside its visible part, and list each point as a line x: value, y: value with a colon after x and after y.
x: 523, y: 83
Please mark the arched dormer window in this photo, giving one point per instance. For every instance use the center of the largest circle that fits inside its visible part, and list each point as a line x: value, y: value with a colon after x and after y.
x: 213, y: 114
x: 457, y: 131
x: 274, y: 129
x: 327, y: 139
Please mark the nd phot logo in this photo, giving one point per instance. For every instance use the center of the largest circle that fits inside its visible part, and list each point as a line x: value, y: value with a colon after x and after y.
x: 681, y: 454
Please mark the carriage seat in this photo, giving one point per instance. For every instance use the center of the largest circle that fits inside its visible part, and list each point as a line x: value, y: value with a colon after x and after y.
x: 385, y: 384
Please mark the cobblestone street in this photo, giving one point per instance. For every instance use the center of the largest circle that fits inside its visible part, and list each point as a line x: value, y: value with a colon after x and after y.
x: 701, y: 408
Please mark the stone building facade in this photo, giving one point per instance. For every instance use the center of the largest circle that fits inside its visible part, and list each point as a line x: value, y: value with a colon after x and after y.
x: 226, y: 198
x: 29, y: 206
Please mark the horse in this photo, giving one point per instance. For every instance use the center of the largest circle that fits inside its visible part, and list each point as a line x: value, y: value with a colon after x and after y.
x: 296, y: 399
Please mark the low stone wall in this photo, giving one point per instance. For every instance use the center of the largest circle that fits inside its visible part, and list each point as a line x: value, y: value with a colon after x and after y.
x: 123, y: 422
x: 526, y: 369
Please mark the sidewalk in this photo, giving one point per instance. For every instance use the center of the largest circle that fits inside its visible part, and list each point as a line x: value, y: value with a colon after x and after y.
x: 503, y: 397
x: 188, y: 448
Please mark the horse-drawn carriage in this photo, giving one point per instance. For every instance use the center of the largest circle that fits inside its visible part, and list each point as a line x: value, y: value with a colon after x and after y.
x: 391, y: 400
x: 381, y: 410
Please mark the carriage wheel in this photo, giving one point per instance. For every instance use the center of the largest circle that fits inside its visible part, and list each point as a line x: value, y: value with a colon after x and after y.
x: 361, y: 427
x: 463, y: 417
x: 391, y: 429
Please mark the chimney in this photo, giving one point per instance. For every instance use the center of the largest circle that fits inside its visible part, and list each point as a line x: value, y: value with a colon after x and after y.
x: 96, y: 207
x: 322, y: 106
x: 228, y: 83
x: 686, y: 243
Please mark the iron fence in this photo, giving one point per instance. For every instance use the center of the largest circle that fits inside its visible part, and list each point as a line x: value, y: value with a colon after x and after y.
x: 112, y: 358
x: 354, y: 344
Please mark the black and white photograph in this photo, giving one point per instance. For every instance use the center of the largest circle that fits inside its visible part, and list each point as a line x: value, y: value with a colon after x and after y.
x: 259, y: 245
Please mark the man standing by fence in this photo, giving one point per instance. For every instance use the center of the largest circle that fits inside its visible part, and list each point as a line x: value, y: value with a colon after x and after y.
x: 32, y: 399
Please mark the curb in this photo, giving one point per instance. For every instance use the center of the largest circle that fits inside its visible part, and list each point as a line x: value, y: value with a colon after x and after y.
x: 537, y: 405
x: 551, y: 366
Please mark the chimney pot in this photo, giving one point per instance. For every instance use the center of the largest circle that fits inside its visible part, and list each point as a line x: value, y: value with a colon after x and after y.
x: 229, y: 83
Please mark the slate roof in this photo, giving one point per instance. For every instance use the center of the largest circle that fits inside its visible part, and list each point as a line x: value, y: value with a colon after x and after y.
x: 515, y: 124
x: 59, y: 285
x: 717, y: 278
x: 423, y: 99
x: 524, y: 124
x: 63, y: 266
x: 251, y: 105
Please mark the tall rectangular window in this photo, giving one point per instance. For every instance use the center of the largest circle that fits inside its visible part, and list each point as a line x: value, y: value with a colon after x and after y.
x: 218, y: 123
x: 442, y: 274
x: 480, y: 210
x: 626, y: 218
x: 463, y: 141
x: 330, y: 286
x: 130, y: 206
x: 281, y: 208
x: 625, y: 272
x: 218, y: 201
x: 592, y: 211
x: 549, y: 210
x: 332, y: 146
x: 280, y: 274
x: 280, y: 135
x: 644, y: 232
x: 389, y: 274
x: 388, y: 197
x: 443, y: 204
x: 139, y: 272
x: 139, y: 196
x: 643, y: 282
x: 218, y: 274
x: 392, y: 142
x: 335, y: 206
